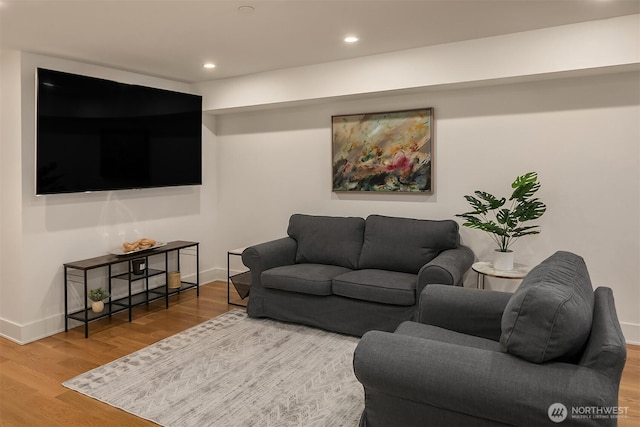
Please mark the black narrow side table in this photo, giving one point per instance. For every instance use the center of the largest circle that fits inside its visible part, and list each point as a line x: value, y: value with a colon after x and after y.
x: 241, y: 281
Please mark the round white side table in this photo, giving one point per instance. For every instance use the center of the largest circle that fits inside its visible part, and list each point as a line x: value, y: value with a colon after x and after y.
x: 483, y: 269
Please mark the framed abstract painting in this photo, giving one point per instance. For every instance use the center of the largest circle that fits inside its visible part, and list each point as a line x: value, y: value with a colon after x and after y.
x: 384, y: 152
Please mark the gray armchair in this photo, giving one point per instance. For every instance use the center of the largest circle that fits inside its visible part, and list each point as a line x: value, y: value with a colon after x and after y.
x: 550, y: 354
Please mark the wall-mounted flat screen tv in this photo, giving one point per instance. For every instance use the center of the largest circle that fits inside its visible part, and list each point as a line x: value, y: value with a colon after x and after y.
x: 98, y: 135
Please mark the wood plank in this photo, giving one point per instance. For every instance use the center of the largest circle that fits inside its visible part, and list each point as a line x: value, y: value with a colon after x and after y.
x: 629, y: 396
x: 31, y: 393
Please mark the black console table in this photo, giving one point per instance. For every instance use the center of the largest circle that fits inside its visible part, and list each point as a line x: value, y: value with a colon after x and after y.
x: 77, y: 272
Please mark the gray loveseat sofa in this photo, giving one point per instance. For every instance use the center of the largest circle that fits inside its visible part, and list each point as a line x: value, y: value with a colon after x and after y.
x: 550, y: 354
x: 352, y: 275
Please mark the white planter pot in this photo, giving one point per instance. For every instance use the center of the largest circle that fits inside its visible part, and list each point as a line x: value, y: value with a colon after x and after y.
x: 503, y: 260
x: 97, y: 306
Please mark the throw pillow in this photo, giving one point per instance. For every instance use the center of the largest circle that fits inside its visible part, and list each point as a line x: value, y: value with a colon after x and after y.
x: 327, y: 240
x: 405, y: 244
x: 549, y: 316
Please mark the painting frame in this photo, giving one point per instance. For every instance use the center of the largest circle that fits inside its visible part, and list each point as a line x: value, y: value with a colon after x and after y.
x: 387, y: 152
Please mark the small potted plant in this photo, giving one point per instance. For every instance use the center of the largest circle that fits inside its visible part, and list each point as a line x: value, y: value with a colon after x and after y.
x: 505, y: 224
x: 97, y: 296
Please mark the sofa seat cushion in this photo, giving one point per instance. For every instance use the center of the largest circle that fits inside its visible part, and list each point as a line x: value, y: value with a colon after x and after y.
x: 435, y: 333
x: 387, y: 287
x: 550, y: 315
x: 314, y: 279
x: 405, y: 244
x: 327, y: 240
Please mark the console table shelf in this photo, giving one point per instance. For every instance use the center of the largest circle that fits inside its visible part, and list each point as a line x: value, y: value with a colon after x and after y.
x: 109, y: 308
x: 77, y: 273
x: 133, y: 277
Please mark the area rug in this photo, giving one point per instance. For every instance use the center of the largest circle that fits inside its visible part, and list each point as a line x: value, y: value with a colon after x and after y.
x: 235, y: 371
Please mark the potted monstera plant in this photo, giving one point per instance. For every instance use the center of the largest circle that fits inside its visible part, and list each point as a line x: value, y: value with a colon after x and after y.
x: 97, y: 296
x: 504, y: 219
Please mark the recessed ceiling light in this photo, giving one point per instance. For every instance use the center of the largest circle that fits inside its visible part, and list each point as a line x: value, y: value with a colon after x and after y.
x: 209, y: 65
x: 351, y: 39
x: 246, y: 10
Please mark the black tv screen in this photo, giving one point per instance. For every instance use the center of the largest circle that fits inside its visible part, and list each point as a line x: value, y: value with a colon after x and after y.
x: 97, y: 135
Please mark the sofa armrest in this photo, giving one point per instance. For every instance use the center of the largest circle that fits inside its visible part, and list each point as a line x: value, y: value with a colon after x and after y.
x: 264, y: 256
x: 465, y: 310
x: 480, y: 383
x: 448, y: 268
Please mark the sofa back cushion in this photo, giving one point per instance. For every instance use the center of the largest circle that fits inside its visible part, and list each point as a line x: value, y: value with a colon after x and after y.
x: 549, y: 316
x: 404, y: 244
x: 327, y: 240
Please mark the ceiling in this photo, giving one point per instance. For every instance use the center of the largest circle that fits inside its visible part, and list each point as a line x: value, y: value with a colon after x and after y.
x: 173, y: 38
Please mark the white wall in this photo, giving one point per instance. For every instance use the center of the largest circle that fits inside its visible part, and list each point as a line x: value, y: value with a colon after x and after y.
x: 581, y: 135
x: 10, y: 195
x: 568, y: 49
x: 562, y: 101
x: 62, y: 228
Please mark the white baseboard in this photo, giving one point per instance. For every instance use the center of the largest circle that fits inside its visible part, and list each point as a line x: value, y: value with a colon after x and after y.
x: 24, y: 334
x: 10, y: 330
x: 631, y: 332
x: 213, y: 275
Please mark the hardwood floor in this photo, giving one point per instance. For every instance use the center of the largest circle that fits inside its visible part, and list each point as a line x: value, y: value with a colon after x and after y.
x: 31, y: 393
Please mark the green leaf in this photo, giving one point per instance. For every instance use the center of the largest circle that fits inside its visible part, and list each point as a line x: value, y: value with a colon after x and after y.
x: 529, y: 177
x: 502, y: 216
x: 471, y: 221
x: 525, y: 191
x: 525, y: 231
x: 492, y: 201
x: 492, y: 227
x: 479, y: 207
x: 529, y: 210
x: 525, y: 186
x: 526, y: 234
x: 504, y: 224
